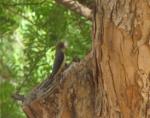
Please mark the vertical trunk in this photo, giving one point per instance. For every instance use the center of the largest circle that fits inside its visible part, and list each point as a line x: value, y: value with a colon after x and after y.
x: 122, y: 49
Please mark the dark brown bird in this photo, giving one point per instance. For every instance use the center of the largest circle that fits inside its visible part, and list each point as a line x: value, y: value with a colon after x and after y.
x: 59, y: 63
x: 59, y: 60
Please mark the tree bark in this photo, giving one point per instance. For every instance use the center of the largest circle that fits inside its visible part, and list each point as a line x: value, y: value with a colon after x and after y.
x: 113, y: 81
x: 121, y: 36
x: 75, y: 6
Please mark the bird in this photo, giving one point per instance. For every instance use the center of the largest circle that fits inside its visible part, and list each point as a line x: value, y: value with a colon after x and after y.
x: 59, y: 62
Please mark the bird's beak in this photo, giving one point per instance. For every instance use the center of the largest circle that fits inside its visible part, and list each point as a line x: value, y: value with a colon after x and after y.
x: 65, y: 45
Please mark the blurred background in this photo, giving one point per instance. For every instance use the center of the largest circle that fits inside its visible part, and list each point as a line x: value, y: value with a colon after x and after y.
x: 29, y: 31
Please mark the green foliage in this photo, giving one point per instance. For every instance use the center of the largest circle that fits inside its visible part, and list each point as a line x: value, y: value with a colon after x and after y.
x: 9, y: 108
x: 29, y: 31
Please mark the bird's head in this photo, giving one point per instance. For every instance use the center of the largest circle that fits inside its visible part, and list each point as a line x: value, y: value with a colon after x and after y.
x: 62, y: 46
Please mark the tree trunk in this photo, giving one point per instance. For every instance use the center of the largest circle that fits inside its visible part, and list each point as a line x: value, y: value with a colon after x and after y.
x: 113, y: 81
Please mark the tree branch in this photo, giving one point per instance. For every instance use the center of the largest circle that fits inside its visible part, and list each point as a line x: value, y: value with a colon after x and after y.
x: 77, y: 7
x: 21, y: 3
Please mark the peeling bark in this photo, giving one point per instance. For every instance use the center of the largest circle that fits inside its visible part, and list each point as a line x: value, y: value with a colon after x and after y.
x: 122, y: 33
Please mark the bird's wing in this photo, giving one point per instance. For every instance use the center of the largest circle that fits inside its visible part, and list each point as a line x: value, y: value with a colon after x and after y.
x: 58, y: 62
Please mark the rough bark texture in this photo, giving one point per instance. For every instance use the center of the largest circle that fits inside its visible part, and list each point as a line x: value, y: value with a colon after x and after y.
x: 113, y: 81
x: 121, y: 36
